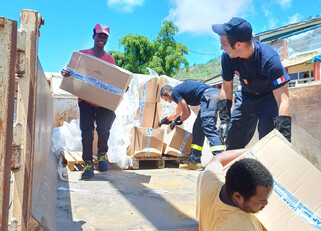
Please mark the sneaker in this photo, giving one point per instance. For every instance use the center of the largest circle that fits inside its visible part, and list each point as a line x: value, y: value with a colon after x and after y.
x: 102, y: 163
x: 191, y: 166
x: 89, y: 170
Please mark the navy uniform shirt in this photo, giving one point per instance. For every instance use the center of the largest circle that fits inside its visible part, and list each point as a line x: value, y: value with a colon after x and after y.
x: 191, y: 91
x: 261, y: 73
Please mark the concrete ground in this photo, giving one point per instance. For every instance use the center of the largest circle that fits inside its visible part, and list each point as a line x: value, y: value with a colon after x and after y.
x: 144, y: 199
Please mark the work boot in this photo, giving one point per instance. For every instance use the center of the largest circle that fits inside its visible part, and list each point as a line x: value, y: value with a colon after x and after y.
x: 89, y: 170
x: 191, y: 166
x: 102, y: 163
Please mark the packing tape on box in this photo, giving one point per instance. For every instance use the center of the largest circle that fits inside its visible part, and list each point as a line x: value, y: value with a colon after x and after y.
x: 142, y: 104
x: 95, y: 82
x: 293, y: 203
x: 149, y: 132
x: 187, y: 135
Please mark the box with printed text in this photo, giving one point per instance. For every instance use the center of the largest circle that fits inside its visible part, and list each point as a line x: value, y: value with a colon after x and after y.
x: 96, y: 80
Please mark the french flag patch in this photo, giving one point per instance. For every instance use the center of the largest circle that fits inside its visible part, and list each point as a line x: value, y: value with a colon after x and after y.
x: 279, y: 81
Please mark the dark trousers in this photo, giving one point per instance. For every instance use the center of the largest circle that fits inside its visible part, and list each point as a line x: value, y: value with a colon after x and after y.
x: 104, y: 119
x: 250, y: 110
x: 205, y: 125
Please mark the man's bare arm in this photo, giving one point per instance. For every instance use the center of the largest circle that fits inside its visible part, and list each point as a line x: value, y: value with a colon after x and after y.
x: 227, y: 156
x: 281, y: 96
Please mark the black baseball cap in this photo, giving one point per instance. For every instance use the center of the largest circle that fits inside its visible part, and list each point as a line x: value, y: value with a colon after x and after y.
x: 238, y: 28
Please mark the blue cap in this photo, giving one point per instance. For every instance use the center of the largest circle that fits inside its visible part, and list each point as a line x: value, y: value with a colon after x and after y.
x: 238, y: 28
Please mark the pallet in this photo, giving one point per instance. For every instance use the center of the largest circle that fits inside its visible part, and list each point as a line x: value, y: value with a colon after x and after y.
x: 74, y: 161
x: 159, y: 162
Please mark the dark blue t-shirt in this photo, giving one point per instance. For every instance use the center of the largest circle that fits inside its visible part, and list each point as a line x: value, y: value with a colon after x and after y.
x: 261, y: 73
x: 191, y: 91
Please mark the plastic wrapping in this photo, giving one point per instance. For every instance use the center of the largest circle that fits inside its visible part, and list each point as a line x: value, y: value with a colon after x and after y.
x: 304, y: 43
x: 67, y: 137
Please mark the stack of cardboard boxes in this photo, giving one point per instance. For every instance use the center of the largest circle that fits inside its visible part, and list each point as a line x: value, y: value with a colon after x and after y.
x: 149, y: 140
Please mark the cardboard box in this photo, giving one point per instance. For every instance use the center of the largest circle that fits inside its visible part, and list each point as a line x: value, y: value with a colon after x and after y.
x: 161, y: 82
x: 295, y: 204
x: 178, y: 142
x: 148, y: 91
x: 146, y: 142
x: 146, y: 114
x: 96, y: 81
x: 163, y: 109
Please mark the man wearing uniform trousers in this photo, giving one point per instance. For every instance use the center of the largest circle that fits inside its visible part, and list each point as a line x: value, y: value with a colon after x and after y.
x: 195, y: 93
x: 263, y: 99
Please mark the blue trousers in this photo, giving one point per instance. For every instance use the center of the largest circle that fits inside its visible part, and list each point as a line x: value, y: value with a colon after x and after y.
x: 205, y: 125
x: 104, y: 119
x: 250, y: 110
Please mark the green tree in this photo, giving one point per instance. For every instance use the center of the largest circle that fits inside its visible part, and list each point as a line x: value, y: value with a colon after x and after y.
x: 138, y: 50
x: 169, y: 54
x: 164, y: 56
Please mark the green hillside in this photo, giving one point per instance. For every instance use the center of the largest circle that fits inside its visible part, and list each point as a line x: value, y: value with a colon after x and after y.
x: 200, y: 72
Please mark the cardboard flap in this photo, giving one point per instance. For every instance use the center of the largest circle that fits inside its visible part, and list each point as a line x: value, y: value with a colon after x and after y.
x: 295, y: 203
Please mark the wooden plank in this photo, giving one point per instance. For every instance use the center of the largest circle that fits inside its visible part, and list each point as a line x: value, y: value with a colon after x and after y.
x: 74, y: 160
x: 77, y: 156
x: 159, y: 161
x: 70, y: 160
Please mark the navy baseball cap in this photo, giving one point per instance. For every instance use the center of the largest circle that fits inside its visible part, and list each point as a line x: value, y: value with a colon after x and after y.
x: 238, y: 28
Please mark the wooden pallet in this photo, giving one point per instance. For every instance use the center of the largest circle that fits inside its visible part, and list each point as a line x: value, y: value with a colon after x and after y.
x: 159, y: 162
x: 74, y: 161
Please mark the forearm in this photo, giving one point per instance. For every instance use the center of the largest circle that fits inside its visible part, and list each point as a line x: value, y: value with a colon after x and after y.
x: 227, y: 156
x: 281, y: 96
x: 173, y: 116
x: 227, y: 90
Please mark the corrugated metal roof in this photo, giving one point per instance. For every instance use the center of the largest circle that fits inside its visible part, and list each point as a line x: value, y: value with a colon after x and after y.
x: 280, y: 32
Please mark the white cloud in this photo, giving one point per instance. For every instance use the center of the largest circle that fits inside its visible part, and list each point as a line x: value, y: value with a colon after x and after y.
x: 295, y: 18
x: 285, y: 3
x: 126, y: 6
x: 272, y: 22
x: 197, y: 16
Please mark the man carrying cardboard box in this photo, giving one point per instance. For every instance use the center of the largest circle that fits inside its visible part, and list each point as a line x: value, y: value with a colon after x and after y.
x: 228, y: 204
x: 91, y: 113
x: 195, y: 93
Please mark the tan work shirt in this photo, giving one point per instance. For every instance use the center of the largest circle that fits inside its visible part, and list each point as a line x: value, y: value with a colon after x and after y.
x: 213, y: 213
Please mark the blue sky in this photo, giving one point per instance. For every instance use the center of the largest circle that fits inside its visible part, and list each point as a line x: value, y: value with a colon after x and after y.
x: 69, y: 23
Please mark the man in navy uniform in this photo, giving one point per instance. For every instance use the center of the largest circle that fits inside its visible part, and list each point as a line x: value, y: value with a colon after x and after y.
x: 195, y: 93
x: 263, y: 99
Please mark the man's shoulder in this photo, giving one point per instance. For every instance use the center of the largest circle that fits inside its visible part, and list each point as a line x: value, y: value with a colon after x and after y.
x: 265, y: 51
x: 86, y: 51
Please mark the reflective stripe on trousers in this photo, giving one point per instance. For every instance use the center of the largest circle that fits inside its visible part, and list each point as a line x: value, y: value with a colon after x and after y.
x: 196, y: 147
x: 217, y: 148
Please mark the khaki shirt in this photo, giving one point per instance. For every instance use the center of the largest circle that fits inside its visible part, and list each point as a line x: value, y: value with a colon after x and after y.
x: 214, y: 214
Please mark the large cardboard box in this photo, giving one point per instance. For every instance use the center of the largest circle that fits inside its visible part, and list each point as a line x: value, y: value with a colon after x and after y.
x: 295, y: 204
x: 148, y: 91
x: 178, y: 142
x: 163, y: 109
x: 96, y: 81
x: 146, y: 142
x: 146, y: 114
